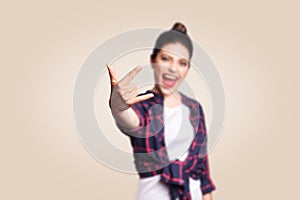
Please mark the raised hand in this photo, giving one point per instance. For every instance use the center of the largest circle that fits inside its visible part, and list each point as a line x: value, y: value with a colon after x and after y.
x: 123, y: 93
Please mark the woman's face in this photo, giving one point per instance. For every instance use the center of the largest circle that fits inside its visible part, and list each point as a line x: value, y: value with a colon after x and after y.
x: 170, y: 66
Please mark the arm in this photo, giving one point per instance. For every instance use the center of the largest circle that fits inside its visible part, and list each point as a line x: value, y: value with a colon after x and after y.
x: 127, y: 119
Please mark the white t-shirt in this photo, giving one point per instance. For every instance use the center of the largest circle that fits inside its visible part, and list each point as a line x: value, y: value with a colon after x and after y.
x: 178, y: 137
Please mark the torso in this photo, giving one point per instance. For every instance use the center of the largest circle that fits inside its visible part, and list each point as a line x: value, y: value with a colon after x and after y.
x: 178, y: 136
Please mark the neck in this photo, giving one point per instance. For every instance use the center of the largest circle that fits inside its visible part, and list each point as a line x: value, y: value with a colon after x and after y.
x: 172, y: 99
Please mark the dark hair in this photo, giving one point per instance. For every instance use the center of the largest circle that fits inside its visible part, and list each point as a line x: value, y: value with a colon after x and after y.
x: 177, y: 33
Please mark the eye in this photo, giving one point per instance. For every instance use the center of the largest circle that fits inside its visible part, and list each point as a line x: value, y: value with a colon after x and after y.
x: 164, y: 58
x: 183, y: 64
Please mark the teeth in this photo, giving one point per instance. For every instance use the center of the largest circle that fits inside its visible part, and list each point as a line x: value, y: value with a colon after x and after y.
x: 169, y: 77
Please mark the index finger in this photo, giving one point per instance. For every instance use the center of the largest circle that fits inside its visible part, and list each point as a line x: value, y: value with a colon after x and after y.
x: 130, y: 76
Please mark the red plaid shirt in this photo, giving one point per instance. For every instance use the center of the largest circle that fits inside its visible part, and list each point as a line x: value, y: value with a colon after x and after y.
x: 151, y: 157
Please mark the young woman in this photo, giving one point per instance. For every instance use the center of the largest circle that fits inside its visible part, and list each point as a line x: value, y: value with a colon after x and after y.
x: 166, y: 128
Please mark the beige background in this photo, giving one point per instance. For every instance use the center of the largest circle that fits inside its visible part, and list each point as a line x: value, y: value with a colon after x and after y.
x: 255, y: 45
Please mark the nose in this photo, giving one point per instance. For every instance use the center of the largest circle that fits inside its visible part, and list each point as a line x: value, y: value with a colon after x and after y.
x: 172, y: 68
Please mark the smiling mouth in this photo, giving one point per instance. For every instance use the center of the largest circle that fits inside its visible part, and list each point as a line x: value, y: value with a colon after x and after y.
x: 169, y: 80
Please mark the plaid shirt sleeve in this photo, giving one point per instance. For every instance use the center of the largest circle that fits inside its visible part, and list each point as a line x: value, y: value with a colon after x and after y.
x: 207, y: 184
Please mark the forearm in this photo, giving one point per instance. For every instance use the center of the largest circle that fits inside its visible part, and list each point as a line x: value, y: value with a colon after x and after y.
x: 126, y: 119
x: 207, y: 196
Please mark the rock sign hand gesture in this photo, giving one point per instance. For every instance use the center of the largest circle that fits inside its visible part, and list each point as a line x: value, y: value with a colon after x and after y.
x: 123, y: 93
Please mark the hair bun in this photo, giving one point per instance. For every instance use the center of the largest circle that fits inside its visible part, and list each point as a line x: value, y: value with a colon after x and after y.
x: 179, y: 27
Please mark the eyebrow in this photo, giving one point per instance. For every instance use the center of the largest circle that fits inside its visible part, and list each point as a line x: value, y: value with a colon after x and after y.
x: 167, y: 55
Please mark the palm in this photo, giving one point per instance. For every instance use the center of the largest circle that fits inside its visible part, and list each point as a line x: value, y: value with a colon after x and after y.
x: 123, y: 93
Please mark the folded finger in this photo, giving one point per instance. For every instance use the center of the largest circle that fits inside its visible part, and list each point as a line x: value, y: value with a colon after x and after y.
x: 140, y: 98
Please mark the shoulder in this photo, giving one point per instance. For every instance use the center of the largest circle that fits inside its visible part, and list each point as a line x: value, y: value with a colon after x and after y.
x: 194, y: 105
x: 190, y: 101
